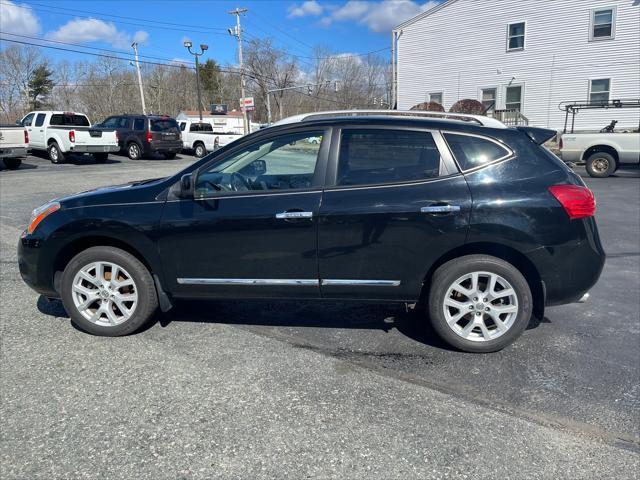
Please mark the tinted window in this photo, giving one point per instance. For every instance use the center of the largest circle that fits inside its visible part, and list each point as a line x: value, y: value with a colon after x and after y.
x: 26, y: 121
x: 164, y: 125
x: 183, y: 126
x: 138, y: 124
x: 283, y: 163
x: 40, y: 119
x: 123, y: 122
x: 471, y: 152
x: 69, y: 120
x: 386, y: 156
x: 110, y: 122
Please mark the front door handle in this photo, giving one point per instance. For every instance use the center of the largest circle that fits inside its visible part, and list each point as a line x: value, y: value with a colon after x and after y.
x: 293, y: 215
x: 441, y: 208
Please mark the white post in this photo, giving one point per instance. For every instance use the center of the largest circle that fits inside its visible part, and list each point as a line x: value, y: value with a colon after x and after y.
x: 135, y: 52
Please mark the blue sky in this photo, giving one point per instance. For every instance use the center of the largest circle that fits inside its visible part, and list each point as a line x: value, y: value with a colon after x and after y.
x: 161, y: 26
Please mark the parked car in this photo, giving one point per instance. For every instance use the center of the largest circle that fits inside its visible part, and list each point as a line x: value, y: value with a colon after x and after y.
x: 13, y: 145
x: 198, y: 137
x: 140, y: 135
x: 59, y: 133
x: 602, y: 152
x: 473, y: 221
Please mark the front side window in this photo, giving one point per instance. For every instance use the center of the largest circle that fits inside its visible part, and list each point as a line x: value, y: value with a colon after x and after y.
x: 599, y: 90
x: 40, y: 119
x: 472, y: 152
x: 111, y: 122
x: 513, y: 98
x: 602, y: 23
x: 515, y: 36
x: 489, y: 99
x: 183, y: 125
x: 26, y: 121
x: 369, y: 157
x: 123, y: 122
x: 436, y: 97
x: 286, y: 162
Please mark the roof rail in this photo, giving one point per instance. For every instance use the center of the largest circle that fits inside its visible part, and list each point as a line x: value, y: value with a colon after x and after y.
x: 478, y: 119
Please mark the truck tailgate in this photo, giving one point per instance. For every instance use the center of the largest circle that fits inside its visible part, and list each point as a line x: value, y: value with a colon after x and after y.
x: 12, y: 137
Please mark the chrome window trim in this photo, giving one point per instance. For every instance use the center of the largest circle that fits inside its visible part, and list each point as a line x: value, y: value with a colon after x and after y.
x: 509, y: 156
x: 336, y: 188
x: 262, y: 194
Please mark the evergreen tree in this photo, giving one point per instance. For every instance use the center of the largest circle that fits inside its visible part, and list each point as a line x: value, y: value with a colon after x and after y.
x: 211, y: 81
x: 40, y: 86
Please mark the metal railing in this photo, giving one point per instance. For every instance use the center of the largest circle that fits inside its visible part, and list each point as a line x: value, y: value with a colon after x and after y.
x: 510, y: 117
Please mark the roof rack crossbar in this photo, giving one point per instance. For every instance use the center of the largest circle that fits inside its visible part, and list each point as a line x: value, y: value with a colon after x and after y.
x: 478, y: 119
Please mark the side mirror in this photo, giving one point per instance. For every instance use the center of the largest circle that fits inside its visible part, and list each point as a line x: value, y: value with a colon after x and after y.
x: 19, y: 122
x: 186, y: 185
x: 259, y: 167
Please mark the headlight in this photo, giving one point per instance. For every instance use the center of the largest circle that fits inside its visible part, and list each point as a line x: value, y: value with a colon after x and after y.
x: 40, y: 214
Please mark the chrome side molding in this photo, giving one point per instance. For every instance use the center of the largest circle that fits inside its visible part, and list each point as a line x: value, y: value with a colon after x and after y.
x: 360, y: 283
x: 300, y: 282
x: 286, y: 215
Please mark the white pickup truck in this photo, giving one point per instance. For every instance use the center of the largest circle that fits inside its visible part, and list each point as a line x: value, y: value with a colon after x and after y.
x: 602, y: 152
x: 60, y: 133
x: 13, y: 145
x: 202, y: 138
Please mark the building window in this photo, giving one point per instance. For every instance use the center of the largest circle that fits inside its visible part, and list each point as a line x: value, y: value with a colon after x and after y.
x: 489, y: 99
x: 599, y: 90
x: 602, y: 22
x: 436, y: 97
x: 515, y: 36
x: 514, y: 98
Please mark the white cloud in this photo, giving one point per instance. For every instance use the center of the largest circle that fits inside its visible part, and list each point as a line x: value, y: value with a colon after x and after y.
x: 18, y: 18
x: 310, y: 7
x: 379, y: 17
x: 94, y: 30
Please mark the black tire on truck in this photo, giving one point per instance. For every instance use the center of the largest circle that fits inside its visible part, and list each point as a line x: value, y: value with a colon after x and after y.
x: 200, y: 150
x: 55, y: 155
x: 601, y: 164
x: 100, y: 157
x: 12, y: 163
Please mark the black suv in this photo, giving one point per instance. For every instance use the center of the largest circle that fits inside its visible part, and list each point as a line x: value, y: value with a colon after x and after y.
x: 140, y: 135
x: 474, y: 222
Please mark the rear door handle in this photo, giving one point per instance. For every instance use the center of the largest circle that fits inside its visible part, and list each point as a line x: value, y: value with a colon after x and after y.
x: 440, y: 209
x: 293, y: 214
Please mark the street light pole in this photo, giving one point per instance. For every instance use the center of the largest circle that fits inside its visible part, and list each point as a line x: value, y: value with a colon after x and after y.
x: 203, y: 48
x: 237, y: 32
x: 134, y: 45
x: 295, y: 87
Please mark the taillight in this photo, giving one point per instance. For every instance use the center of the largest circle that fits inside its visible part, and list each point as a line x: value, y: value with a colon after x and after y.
x: 149, y: 137
x: 576, y: 200
x: 560, y: 144
x: 72, y: 136
x: 26, y: 137
x: 117, y: 136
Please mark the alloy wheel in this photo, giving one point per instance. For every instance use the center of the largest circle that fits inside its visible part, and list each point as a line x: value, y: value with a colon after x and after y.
x: 600, y: 165
x: 480, y: 306
x: 134, y: 151
x: 104, y: 293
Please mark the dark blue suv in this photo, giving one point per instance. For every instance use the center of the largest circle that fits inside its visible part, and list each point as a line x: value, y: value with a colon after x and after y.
x: 476, y: 223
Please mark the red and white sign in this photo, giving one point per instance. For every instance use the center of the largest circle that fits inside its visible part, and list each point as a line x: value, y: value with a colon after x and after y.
x: 247, y: 104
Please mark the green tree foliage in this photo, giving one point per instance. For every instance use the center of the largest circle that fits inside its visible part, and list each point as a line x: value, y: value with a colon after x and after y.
x: 211, y: 81
x: 40, y: 86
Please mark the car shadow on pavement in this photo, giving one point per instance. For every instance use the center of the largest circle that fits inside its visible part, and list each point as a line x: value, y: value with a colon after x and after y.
x: 413, y: 324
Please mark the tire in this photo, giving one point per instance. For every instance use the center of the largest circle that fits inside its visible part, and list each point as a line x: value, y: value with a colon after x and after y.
x: 601, y: 164
x: 127, y: 314
x: 12, y: 163
x: 199, y: 150
x: 170, y: 155
x: 519, y: 304
x: 134, y: 152
x: 55, y: 155
x: 100, y: 157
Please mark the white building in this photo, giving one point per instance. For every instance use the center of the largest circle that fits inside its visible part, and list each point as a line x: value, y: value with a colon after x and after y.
x: 528, y: 55
x: 231, y: 122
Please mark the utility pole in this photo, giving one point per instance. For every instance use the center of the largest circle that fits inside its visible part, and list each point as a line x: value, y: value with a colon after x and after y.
x: 308, y: 86
x: 134, y: 45
x: 203, y: 48
x: 237, y: 32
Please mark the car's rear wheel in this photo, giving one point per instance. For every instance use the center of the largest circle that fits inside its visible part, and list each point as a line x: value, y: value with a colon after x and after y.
x: 55, y: 155
x: 199, y: 150
x: 133, y: 151
x: 600, y: 164
x: 12, y: 163
x: 479, y: 303
x: 107, y: 291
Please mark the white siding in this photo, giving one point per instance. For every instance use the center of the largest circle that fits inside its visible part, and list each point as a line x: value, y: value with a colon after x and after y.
x: 462, y: 47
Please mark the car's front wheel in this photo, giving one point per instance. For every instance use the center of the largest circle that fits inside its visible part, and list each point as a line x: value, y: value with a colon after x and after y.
x: 55, y: 155
x: 479, y: 303
x: 107, y: 291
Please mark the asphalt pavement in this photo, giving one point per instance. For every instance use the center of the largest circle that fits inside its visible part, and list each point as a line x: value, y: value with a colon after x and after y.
x: 310, y: 390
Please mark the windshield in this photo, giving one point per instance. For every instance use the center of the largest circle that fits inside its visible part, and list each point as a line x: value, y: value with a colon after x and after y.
x: 70, y: 120
x: 164, y: 125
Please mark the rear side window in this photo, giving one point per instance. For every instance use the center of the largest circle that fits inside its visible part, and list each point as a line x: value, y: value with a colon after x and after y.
x: 472, y: 152
x: 69, y: 120
x: 164, y: 125
x: 40, y: 119
x: 138, y: 124
x: 386, y: 156
x: 123, y: 122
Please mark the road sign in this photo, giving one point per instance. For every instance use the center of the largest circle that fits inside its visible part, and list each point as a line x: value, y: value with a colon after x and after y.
x: 218, y: 109
x: 247, y: 104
